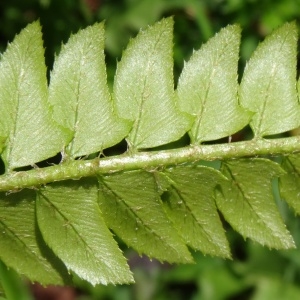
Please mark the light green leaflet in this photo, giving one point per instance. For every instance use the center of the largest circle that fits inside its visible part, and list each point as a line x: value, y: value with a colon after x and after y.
x: 135, y: 214
x: 144, y: 89
x: 22, y: 246
x: 188, y: 199
x: 268, y: 86
x: 80, y: 97
x: 247, y: 202
x: 78, y: 235
x: 290, y: 182
x: 26, y: 123
x: 207, y: 88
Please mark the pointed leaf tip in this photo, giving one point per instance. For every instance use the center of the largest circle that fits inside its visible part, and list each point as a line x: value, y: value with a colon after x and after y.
x: 144, y: 88
x: 209, y: 80
x: 80, y: 96
x: 25, y: 113
x: 268, y: 86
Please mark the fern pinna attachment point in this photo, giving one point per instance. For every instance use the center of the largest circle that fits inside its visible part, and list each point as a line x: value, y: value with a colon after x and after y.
x: 59, y: 220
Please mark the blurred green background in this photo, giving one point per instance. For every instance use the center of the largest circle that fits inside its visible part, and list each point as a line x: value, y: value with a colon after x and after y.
x: 255, y: 272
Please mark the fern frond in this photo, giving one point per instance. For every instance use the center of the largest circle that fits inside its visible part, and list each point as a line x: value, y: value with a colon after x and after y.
x: 56, y: 221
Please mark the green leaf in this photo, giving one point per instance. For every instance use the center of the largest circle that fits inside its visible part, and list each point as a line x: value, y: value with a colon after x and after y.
x: 132, y: 209
x: 247, y: 202
x: 25, y: 114
x: 209, y: 81
x: 190, y: 204
x: 290, y: 182
x: 144, y: 89
x: 75, y: 230
x: 268, y: 86
x: 80, y: 97
x: 14, y: 286
x: 21, y: 244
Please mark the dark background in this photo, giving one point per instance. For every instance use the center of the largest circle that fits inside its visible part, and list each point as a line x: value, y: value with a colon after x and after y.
x: 255, y: 272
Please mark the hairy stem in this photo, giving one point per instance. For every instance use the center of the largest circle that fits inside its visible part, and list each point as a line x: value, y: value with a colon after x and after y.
x: 148, y: 161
